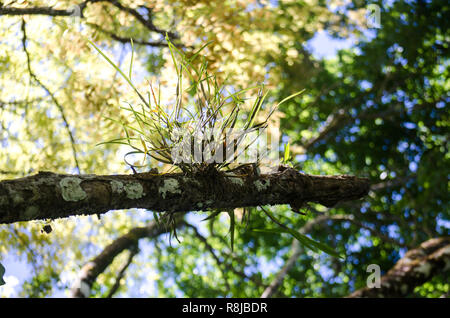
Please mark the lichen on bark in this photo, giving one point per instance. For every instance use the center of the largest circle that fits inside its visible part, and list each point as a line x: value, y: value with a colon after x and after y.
x: 171, y: 186
x: 134, y: 190
x: 71, y: 189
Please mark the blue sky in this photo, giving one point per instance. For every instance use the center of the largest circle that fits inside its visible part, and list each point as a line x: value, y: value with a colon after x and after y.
x: 322, y: 45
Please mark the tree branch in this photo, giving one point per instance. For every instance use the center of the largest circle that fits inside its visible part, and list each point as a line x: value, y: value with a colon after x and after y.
x: 90, y: 271
x: 35, y: 11
x: 49, y: 196
x: 79, y: 9
x: 415, y: 268
x: 126, y: 40
x: 49, y: 11
x: 148, y: 23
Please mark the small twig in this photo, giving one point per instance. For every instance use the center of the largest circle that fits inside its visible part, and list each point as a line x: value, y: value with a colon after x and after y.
x: 116, y: 286
x: 210, y: 250
x: 52, y: 96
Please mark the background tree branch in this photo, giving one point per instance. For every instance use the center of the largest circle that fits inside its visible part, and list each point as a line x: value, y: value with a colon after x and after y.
x: 297, y: 249
x: 132, y: 252
x: 91, y: 270
x: 79, y: 10
x: 52, y: 96
x: 415, y: 268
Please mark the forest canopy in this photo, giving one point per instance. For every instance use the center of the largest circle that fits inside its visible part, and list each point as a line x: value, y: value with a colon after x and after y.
x: 92, y: 93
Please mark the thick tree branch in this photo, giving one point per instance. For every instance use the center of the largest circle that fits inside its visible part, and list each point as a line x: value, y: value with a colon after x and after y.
x: 415, y: 268
x: 90, y: 271
x: 48, y: 195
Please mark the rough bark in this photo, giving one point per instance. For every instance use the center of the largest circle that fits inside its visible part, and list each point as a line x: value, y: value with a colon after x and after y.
x: 415, y: 268
x: 48, y: 195
x: 91, y: 270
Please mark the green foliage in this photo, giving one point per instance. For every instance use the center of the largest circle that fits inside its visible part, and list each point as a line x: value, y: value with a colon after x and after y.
x: 434, y: 288
x: 388, y: 100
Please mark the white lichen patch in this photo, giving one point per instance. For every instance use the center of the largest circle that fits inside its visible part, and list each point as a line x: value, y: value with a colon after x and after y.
x: 424, y: 268
x: 170, y: 186
x: 209, y: 202
x: 200, y: 205
x: 16, y: 197
x: 238, y: 181
x: 31, y: 212
x: 116, y: 187
x: 134, y: 190
x: 261, y: 185
x: 71, y: 189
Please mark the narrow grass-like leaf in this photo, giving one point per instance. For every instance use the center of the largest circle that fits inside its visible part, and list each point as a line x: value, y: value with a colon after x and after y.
x: 131, y: 61
x: 232, y: 227
x: 291, y: 96
x: 308, y: 242
x: 287, y: 154
x: 212, y: 215
x: 118, y: 70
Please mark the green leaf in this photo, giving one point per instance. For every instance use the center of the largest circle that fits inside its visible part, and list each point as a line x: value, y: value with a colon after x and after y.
x: 232, y: 225
x: 212, y: 215
x: 291, y: 96
x: 314, y: 245
x: 306, y: 241
x: 116, y: 67
x: 286, y: 153
x: 2, y: 272
x: 131, y: 61
x: 271, y: 231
